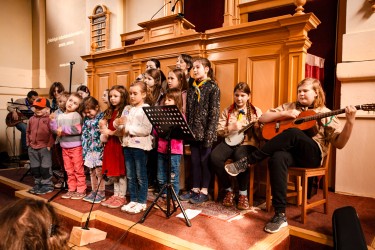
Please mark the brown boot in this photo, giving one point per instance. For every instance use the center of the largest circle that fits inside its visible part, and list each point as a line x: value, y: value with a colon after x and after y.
x: 243, y: 203
x: 228, y: 199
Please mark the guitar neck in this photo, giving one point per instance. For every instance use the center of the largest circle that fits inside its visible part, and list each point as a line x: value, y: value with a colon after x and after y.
x: 246, y: 127
x: 323, y: 115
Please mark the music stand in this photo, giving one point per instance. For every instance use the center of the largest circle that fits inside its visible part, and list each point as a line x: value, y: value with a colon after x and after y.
x: 169, y: 124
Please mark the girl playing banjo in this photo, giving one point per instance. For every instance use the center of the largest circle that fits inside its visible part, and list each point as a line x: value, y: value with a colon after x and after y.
x: 239, y: 125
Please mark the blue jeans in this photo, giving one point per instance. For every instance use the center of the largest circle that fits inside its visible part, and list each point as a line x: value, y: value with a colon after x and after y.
x: 22, y: 128
x: 175, y: 171
x: 136, y: 173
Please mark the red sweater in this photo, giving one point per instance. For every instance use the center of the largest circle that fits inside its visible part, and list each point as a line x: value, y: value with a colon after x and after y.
x: 38, y: 133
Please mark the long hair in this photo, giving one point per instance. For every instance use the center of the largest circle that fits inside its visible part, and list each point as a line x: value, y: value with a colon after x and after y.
x: 155, y: 93
x: 206, y: 63
x: 83, y: 88
x: 90, y: 103
x: 157, y: 65
x: 242, y: 86
x: 31, y: 224
x: 143, y: 88
x: 59, y: 86
x: 123, y: 102
x: 320, y: 100
x: 181, y: 77
x: 175, y: 94
x: 188, y: 60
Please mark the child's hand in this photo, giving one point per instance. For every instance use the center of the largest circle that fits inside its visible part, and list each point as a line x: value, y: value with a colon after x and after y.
x: 52, y: 116
x: 59, y: 131
x: 232, y: 127
x: 121, y: 120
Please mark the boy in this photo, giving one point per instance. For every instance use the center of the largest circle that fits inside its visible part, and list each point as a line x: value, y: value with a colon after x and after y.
x: 40, y: 140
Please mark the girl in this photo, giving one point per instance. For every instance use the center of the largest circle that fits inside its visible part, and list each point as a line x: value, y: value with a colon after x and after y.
x: 93, y: 149
x: 294, y: 146
x: 184, y: 62
x: 238, y: 115
x: 105, y: 97
x: 173, y: 97
x: 203, y: 107
x: 155, y: 64
x: 83, y: 91
x: 113, y: 156
x: 136, y: 141
x: 54, y: 92
x: 153, y: 81
x: 68, y: 127
x: 177, y: 79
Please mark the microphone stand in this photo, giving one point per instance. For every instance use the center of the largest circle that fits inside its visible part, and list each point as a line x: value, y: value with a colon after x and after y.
x: 71, y: 72
x: 81, y: 236
x: 86, y: 226
x: 160, y: 9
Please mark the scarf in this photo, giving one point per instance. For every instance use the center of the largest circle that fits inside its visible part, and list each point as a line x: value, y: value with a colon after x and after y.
x: 197, y: 87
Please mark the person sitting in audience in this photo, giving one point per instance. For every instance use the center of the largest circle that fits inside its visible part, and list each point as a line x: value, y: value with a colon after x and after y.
x: 33, y: 225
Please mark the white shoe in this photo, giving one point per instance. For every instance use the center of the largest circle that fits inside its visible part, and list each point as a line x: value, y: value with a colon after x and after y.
x: 137, y: 208
x: 126, y: 207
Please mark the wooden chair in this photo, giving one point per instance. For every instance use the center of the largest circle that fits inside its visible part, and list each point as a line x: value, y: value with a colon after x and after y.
x: 302, y: 175
x: 251, y: 185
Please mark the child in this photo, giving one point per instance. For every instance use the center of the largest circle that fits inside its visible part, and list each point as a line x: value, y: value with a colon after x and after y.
x: 40, y: 140
x: 203, y: 107
x: 93, y: 149
x: 136, y: 141
x: 153, y: 81
x: 177, y: 79
x: 184, y: 62
x: 113, y: 155
x: 83, y: 91
x: 173, y: 97
x: 238, y: 115
x: 105, y: 97
x: 68, y: 127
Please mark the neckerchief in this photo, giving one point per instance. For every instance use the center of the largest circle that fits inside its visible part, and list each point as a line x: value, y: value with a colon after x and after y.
x: 197, y: 87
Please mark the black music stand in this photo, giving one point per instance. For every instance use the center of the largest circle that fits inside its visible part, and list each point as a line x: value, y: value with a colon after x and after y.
x: 169, y: 124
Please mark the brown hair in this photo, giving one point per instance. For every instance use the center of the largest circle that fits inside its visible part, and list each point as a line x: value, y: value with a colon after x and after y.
x: 188, y: 60
x: 320, y: 100
x: 31, y: 224
x: 124, y: 101
x: 59, y: 86
x: 90, y: 103
x: 143, y: 86
x: 155, y: 74
x: 175, y: 94
x: 181, y: 77
x: 206, y: 63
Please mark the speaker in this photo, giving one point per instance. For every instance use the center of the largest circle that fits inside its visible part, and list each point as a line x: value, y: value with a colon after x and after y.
x: 347, y: 230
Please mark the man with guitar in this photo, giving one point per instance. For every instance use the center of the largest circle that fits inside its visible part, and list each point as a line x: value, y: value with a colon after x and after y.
x: 298, y: 140
x: 19, y: 112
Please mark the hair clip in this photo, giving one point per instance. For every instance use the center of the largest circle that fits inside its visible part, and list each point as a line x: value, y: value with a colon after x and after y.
x: 52, y: 230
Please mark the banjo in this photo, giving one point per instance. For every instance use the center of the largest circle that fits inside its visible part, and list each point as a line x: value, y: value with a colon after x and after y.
x: 237, y: 137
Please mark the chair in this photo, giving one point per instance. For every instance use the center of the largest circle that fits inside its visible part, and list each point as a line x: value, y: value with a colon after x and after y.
x: 251, y: 185
x: 302, y: 175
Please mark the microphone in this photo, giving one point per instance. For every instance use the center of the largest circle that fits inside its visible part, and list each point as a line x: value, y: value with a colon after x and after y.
x: 160, y: 9
x: 72, y: 63
x: 11, y: 99
x: 174, y: 5
x: 86, y: 226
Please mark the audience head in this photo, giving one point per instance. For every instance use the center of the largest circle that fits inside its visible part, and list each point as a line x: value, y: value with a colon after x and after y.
x: 83, y: 91
x: 31, y: 224
x: 317, y: 97
x: 55, y: 90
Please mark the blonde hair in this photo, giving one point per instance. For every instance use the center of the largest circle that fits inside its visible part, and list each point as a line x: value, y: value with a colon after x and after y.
x: 320, y: 100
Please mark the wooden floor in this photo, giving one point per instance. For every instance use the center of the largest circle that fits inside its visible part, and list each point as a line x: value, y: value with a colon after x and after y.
x: 242, y: 232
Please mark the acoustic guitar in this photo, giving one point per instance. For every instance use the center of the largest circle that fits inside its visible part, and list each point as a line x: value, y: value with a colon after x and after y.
x: 305, y: 121
x: 237, y: 137
x: 10, y: 122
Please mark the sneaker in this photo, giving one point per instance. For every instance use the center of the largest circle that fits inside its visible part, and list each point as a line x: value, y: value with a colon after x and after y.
x: 243, y: 202
x: 90, y: 197
x: 78, y: 196
x: 128, y: 206
x: 236, y: 167
x: 117, y: 202
x: 187, y: 196
x: 59, y: 183
x: 277, y: 222
x: 99, y: 197
x: 108, y: 201
x: 229, y: 199
x: 34, y: 189
x: 199, y: 199
x: 45, y: 189
x: 137, y: 208
x: 68, y: 195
